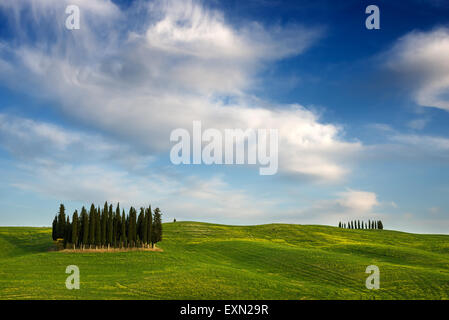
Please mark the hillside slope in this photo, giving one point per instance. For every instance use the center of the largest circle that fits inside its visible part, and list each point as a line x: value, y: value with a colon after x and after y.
x: 207, y: 261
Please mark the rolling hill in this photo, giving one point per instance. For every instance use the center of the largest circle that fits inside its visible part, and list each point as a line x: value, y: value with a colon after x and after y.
x: 209, y: 261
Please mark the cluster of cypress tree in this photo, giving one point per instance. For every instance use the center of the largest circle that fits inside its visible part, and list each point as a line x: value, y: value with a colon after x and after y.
x: 357, y: 224
x: 106, y: 228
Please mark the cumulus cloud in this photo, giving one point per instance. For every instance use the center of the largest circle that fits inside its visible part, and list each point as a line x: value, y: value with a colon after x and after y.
x: 181, y: 62
x: 357, y: 201
x: 421, y: 59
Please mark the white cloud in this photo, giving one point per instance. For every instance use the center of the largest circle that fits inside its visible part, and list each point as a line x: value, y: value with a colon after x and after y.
x: 68, y: 165
x: 432, y: 144
x: 170, y: 70
x: 421, y: 58
x: 344, y: 206
x: 359, y: 202
x: 418, y: 124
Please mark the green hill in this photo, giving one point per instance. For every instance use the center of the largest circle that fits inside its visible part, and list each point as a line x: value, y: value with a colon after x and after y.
x: 207, y: 261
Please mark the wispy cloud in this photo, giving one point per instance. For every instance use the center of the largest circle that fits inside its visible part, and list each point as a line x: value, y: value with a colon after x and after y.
x: 180, y: 63
x: 420, y: 58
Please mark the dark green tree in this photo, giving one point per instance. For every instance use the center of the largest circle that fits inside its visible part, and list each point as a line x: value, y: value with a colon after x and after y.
x: 92, y: 229
x: 110, y: 227
x: 380, y: 225
x: 117, y: 226
x: 123, y: 231
x: 150, y: 225
x: 61, y: 222
x: 145, y: 229
x: 67, y: 232
x: 54, y: 230
x: 132, y: 226
x: 157, y: 227
x: 97, y: 228
x: 75, y: 230
x: 103, y: 228
x: 85, y: 228
x: 140, y: 226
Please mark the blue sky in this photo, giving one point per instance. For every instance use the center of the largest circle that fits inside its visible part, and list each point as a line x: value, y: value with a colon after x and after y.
x: 86, y: 115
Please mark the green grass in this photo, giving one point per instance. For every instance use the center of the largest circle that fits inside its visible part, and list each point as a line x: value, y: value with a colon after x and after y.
x: 207, y: 261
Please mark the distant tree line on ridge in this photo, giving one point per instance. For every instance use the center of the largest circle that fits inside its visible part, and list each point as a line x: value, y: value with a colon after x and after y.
x: 106, y: 228
x: 357, y: 224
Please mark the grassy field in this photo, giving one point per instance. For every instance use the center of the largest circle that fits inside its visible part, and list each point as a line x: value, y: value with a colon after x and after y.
x: 207, y: 261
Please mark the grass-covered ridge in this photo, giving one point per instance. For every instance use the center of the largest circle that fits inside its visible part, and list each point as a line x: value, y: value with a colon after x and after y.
x: 208, y: 261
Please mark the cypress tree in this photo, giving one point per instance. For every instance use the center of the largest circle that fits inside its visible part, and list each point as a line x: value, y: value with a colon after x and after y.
x: 145, y: 229
x: 97, y: 228
x: 92, y: 214
x: 85, y: 228
x: 54, y: 231
x: 61, y: 222
x: 75, y: 230
x: 104, y: 225
x: 133, y: 221
x: 123, y: 230
x: 380, y: 225
x: 150, y: 225
x: 106, y: 208
x: 110, y: 227
x: 103, y: 228
x: 81, y: 229
x: 117, y: 226
x: 67, y: 232
x: 157, y: 226
x: 131, y: 227
x: 140, y: 226
x: 106, y: 221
